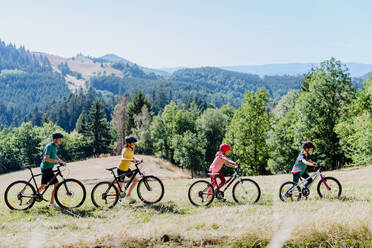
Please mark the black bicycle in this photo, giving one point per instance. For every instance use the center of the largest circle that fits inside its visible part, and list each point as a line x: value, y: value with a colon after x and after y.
x: 22, y: 195
x: 245, y: 190
x: 150, y: 189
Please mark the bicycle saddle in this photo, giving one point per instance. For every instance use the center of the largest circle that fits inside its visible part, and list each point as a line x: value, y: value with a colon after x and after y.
x: 212, y: 174
x: 110, y: 169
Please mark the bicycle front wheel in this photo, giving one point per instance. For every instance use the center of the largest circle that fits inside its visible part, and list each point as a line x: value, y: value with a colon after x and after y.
x: 329, y: 188
x: 105, y: 195
x: 201, y: 193
x: 150, y: 190
x: 288, y: 192
x: 246, y: 191
x: 20, y: 195
x: 70, y: 193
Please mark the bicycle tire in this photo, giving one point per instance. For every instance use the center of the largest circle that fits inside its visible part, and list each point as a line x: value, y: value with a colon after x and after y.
x: 144, y: 181
x: 109, y: 185
x: 282, y: 190
x: 242, y: 181
x: 11, y: 206
x: 76, y: 184
x: 331, y: 179
x: 210, y: 194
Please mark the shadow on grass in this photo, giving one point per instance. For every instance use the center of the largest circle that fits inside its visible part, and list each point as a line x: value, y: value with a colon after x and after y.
x: 164, y: 208
x: 81, y: 213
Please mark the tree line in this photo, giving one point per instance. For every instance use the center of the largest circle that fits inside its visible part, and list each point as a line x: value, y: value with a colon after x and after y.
x: 326, y: 109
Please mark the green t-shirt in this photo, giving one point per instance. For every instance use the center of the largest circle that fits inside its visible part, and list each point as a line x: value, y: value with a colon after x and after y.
x: 51, y: 149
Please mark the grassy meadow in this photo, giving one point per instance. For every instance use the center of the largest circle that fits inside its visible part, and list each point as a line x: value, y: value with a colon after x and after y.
x: 175, y: 222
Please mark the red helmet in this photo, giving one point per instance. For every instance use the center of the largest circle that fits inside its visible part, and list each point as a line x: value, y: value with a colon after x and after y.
x: 225, y: 147
x: 308, y: 144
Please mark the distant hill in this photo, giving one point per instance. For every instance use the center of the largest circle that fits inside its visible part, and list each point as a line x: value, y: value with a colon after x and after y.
x: 114, y: 58
x: 26, y: 81
x: 356, y: 69
x: 366, y: 76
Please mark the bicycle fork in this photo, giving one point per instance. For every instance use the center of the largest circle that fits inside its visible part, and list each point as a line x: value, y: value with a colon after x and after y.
x: 324, y: 182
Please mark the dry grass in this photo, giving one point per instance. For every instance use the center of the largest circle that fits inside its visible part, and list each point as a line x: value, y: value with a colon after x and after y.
x: 175, y: 222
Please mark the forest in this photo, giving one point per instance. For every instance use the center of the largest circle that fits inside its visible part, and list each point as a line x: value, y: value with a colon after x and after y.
x: 184, y: 117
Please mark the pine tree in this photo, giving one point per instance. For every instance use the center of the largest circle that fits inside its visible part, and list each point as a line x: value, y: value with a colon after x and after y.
x: 99, y: 128
x: 135, y: 107
x: 160, y: 99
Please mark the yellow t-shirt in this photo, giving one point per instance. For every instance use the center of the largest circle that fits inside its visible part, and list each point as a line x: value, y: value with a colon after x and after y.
x: 128, y: 154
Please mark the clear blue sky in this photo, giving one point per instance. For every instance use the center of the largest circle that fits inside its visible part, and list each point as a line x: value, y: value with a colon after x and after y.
x: 159, y: 33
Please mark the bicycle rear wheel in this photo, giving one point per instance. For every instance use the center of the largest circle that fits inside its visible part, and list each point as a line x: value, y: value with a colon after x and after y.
x: 105, y: 195
x: 201, y: 193
x: 70, y: 193
x: 246, y: 191
x: 150, y: 190
x: 18, y: 195
x: 288, y: 192
x: 333, y: 191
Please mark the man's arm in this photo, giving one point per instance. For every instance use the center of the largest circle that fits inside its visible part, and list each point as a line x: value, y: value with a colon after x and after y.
x: 49, y: 160
x: 60, y: 160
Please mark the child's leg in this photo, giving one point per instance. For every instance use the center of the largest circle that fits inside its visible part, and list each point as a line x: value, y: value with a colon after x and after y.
x: 305, y: 175
x: 296, y: 177
x: 222, y: 179
x: 213, y: 180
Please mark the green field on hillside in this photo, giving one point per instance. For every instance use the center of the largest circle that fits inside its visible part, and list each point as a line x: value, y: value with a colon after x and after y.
x: 175, y: 222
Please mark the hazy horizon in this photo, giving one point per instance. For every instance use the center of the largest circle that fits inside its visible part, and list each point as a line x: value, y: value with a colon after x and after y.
x: 194, y: 33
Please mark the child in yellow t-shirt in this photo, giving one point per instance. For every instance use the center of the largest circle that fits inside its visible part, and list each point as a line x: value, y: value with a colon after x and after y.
x: 123, y: 168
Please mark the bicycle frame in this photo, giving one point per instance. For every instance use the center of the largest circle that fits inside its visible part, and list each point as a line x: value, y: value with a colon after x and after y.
x: 38, y: 194
x: 314, y: 176
x: 126, y: 186
x: 230, y: 181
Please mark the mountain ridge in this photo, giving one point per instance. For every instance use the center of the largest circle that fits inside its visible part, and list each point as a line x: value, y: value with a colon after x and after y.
x: 356, y: 69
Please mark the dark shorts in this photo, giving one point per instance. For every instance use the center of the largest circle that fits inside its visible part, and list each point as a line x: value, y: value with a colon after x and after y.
x: 127, y: 173
x: 47, y: 176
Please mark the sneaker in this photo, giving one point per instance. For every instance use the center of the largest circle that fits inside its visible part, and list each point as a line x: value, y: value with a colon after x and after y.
x: 54, y: 205
x: 130, y: 198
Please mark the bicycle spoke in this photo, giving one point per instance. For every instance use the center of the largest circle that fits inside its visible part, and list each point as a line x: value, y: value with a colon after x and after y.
x: 201, y: 193
x: 20, y: 196
x: 331, y: 191
x: 289, y: 193
x: 150, y: 190
x: 246, y: 191
x: 104, y: 195
x: 70, y: 194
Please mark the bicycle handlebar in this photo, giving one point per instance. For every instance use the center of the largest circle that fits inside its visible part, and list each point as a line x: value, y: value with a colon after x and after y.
x: 139, y: 162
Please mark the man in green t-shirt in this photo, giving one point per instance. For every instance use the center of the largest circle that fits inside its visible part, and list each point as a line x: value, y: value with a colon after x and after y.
x: 50, y: 158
